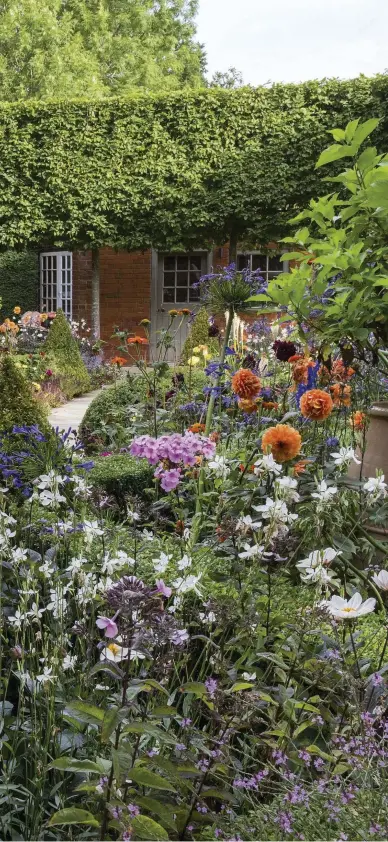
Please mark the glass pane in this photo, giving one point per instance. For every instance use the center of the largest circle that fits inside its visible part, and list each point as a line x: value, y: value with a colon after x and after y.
x: 181, y: 295
x: 259, y: 261
x: 169, y: 279
x: 169, y: 262
x: 242, y: 261
x: 181, y: 279
x: 275, y: 264
x: 195, y: 263
x: 182, y: 263
x: 194, y: 277
x: 194, y: 294
x: 168, y: 295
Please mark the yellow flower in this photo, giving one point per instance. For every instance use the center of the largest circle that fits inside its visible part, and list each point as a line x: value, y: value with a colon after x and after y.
x: 36, y: 387
x: 17, y: 310
x: 194, y: 360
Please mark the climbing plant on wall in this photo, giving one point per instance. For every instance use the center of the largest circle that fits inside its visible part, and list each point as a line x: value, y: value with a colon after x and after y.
x: 171, y: 170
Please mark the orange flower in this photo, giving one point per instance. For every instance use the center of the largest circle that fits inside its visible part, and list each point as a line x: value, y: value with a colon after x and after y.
x: 247, y: 406
x: 316, y: 405
x: 17, y: 310
x: 245, y: 384
x: 283, y: 441
x: 340, y: 371
x: 197, y: 428
x: 137, y: 340
x: 119, y: 361
x: 341, y: 394
x: 299, y: 370
x: 215, y: 436
x: 295, y: 358
x: 358, y: 420
x: 270, y: 405
x: 300, y: 467
x: 184, y: 312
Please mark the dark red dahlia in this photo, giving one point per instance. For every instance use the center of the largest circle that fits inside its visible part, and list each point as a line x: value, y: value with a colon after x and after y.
x: 284, y: 350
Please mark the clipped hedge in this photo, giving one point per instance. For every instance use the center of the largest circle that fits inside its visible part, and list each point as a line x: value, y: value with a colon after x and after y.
x: 109, y: 407
x: 19, y: 281
x: 64, y: 356
x: 172, y: 170
x: 18, y: 406
x: 120, y: 474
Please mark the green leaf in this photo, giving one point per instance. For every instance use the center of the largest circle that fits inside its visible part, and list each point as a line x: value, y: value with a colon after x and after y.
x: 196, y: 687
x: 241, y: 685
x: 85, y: 712
x: 72, y: 764
x: 364, y: 130
x: 350, y: 130
x: 338, y: 134
x: 109, y: 723
x: 145, y: 777
x: 146, y: 828
x: 73, y: 815
x: 220, y: 794
x: 334, y: 153
x: 294, y: 255
x: 164, y: 811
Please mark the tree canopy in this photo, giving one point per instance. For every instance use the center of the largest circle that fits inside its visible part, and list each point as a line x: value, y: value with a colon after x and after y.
x: 97, y: 48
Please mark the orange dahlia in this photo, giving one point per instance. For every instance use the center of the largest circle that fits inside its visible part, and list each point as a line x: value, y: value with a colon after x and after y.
x: 358, y: 420
x: 341, y: 394
x: 137, y: 340
x: 283, y: 441
x: 316, y: 405
x: 300, y: 370
x: 340, y: 371
x: 247, y: 406
x: 300, y: 467
x: 245, y: 384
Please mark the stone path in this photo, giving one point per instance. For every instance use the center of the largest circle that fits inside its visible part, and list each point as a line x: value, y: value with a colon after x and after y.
x: 71, y: 414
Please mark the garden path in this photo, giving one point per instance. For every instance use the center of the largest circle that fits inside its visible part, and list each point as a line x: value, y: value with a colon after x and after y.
x: 70, y: 414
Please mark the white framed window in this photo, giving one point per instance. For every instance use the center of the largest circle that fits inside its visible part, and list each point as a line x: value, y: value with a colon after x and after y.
x: 269, y: 265
x: 56, y: 282
x: 180, y: 274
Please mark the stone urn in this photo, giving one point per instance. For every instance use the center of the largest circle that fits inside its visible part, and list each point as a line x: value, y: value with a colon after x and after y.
x: 376, y: 453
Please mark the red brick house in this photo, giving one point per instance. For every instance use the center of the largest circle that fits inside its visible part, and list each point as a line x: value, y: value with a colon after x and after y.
x: 134, y: 285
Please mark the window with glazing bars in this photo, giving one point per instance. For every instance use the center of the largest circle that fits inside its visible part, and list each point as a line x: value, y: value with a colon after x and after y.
x: 180, y: 274
x: 56, y: 282
x: 269, y: 266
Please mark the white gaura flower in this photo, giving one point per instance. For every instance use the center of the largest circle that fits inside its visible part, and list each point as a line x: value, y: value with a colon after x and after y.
x: 46, y: 676
x: 220, y: 467
x: 381, y: 580
x: 249, y: 676
x: 324, y: 492
x: 80, y: 486
x: 69, y: 662
x: 376, y: 487
x: 132, y: 516
x: 184, y: 562
x: 120, y: 560
x: 276, y: 510
x: 320, y: 574
x: 187, y: 583
x: 148, y: 535
x: 17, y: 619
x: 317, y: 558
x: 343, y: 456
x: 286, y: 489
x: 343, y: 609
x: 267, y: 463
x: 19, y: 555
x: 251, y: 551
x: 76, y: 565
x: 209, y: 617
x: 245, y: 523
x: 114, y: 652
x: 36, y: 613
x: 161, y: 563
x: 91, y: 529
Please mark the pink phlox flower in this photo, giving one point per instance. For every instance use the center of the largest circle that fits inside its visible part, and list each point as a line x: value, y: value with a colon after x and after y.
x: 108, y: 625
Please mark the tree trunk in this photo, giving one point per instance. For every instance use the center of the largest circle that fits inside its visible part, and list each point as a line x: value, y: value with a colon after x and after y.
x: 233, y: 247
x: 95, y: 294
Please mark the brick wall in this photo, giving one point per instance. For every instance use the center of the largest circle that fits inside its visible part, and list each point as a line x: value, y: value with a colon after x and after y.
x: 125, y: 290
x: 82, y: 286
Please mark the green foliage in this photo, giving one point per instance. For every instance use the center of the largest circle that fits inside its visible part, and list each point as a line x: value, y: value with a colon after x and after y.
x: 108, y: 408
x: 19, y: 281
x: 171, y: 170
x: 120, y: 474
x: 57, y: 48
x: 65, y: 358
x: 199, y: 335
x: 18, y: 405
x: 341, y: 251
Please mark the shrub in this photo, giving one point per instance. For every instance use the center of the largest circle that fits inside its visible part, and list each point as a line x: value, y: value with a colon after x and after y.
x: 199, y: 335
x: 65, y: 358
x: 108, y: 408
x: 120, y: 474
x: 19, y: 281
x: 18, y: 405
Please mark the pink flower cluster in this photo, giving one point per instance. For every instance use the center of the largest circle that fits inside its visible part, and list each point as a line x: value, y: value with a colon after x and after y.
x: 176, y: 450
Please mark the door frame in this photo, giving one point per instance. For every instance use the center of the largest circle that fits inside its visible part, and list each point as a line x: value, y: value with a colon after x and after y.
x: 156, y: 257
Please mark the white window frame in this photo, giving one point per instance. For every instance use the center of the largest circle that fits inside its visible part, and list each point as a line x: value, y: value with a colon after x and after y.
x: 264, y: 270
x: 56, y: 290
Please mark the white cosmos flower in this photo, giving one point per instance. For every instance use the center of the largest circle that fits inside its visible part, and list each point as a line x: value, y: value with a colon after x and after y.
x: 376, y: 487
x: 324, y: 492
x: 343, y: 609
x: 114, y: 652
x: 267, y: 463
x: 161, y: 563
x: 343, y: 456
x: 76, y: 565
x: 381, y: 580
x: 318, y: 557
x: 220, y: 467
x: 251, y: 551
